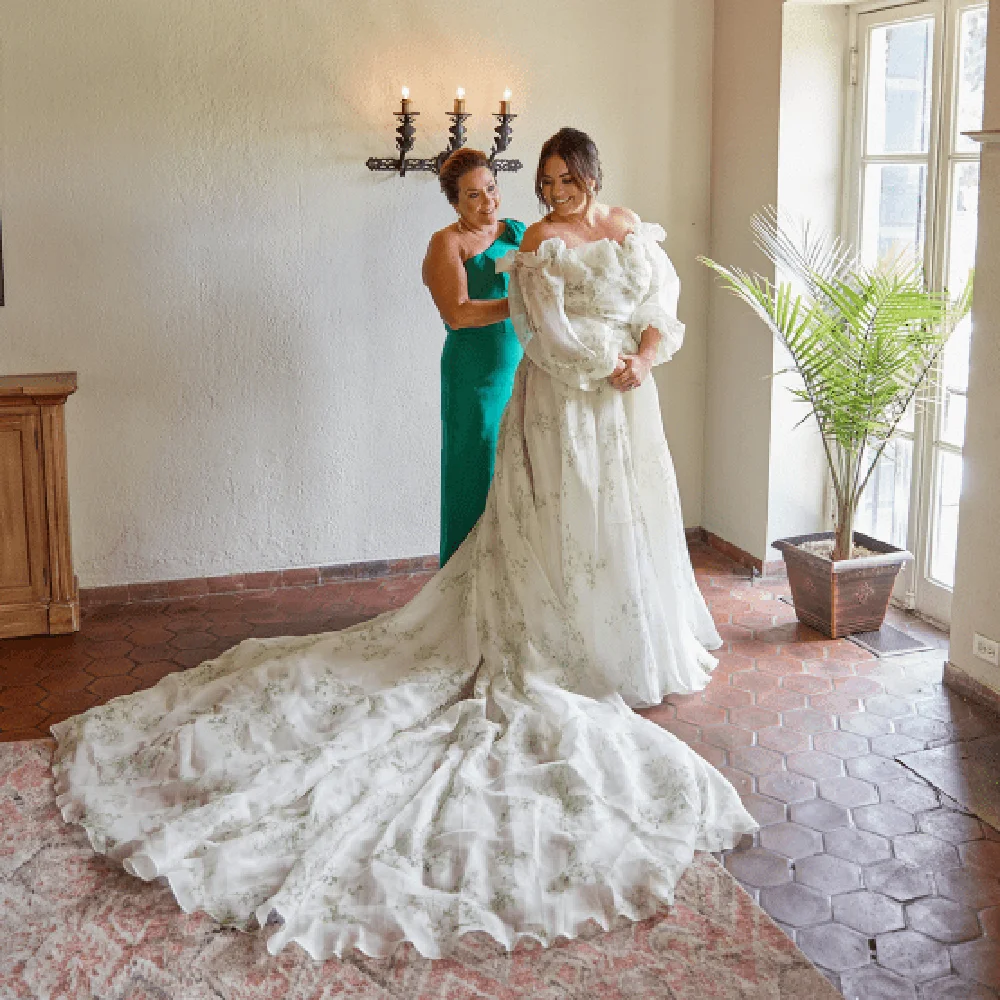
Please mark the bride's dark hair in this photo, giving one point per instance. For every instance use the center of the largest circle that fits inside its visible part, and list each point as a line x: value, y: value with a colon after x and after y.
x: 579, y: 152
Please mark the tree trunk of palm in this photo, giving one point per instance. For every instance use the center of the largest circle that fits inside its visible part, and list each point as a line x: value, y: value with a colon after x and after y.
x: 844, y: 533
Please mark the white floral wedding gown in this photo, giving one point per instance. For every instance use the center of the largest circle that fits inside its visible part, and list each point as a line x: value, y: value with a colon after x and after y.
x: 470, y: 761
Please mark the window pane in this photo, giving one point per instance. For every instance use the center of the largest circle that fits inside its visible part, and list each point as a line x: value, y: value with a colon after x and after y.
x: 885, y: 505
x: 947, y: 490
x: 893, y: 224
x: 961, y: 258
x: 971, y: 76
x: 899, y: 87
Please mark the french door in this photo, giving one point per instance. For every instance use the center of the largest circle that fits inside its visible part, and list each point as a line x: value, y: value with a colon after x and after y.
x: 918, y: 73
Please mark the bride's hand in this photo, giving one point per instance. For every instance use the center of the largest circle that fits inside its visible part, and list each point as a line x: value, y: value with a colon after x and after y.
x: 631, y: 372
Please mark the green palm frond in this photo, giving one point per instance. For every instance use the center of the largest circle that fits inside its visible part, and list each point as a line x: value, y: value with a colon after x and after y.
x: 862, y: 340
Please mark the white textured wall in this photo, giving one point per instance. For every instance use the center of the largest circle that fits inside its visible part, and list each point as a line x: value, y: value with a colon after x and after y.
x: 976, y: 601
x: 745, y: 118
x: 188, y: 223
x: 810, y: 156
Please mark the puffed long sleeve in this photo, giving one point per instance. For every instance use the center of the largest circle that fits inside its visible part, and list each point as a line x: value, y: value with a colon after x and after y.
x: 658, y: 308
x: 582, y: 353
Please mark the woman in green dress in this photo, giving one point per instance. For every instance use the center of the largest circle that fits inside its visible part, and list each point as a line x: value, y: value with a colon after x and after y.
x: 481, y: 351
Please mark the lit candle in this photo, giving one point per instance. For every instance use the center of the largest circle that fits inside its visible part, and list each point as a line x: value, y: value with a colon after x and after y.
x: 405, y: 106
x: 505, y: 103
x: 460, y: 101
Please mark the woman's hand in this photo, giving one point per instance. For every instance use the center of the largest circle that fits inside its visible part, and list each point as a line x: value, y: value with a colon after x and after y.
x: 630, y: 372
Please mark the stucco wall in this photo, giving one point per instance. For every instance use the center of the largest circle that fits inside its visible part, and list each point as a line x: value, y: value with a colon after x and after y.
x: 189, y: 224
x: 976, y: 600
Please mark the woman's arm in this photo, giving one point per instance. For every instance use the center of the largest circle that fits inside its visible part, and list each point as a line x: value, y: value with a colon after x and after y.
x: 444, y: 274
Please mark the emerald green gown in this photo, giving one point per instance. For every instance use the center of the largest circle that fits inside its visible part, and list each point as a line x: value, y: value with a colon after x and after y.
x: 477, y: 375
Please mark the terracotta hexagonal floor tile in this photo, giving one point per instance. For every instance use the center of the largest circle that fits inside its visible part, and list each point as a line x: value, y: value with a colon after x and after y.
x: 753, y: 682
x: 111, y: 687
x: 66, y: 681
x: 978, y: 961
x: 943, y: 919
x: 700, y: 714
x: 21, y: 695
x: 868, y: 912
x: 815, y: 764
x: 756, y: 760
x: 781, y: 700
x: 913, y: 955
x: 109, y: 667
x: 727, y: 696
x: 22, y: 717
x: 829, y: 668
x: 982, y: 854
x: 807, y: 684
x: 727, y: 737
x: 858, y: 687
x: 766, y: 811
x: 753, y: 718
x: 148, y: 674
x: 782, y: 740
x: 779, y: 665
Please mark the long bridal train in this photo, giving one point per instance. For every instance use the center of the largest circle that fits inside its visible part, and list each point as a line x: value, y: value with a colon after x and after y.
x: 470, y: 761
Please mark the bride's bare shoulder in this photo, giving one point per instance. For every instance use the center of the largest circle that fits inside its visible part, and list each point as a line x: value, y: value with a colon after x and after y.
x: 623, y: 221
x: 536, y: 234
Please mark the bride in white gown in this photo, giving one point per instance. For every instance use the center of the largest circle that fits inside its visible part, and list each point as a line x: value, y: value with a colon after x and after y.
x: 469, y: 762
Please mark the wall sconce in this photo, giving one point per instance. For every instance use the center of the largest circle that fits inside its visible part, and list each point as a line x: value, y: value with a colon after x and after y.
x: 406, y: 133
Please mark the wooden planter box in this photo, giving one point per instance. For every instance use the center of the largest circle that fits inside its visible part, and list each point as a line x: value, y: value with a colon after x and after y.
x: 843, y: 597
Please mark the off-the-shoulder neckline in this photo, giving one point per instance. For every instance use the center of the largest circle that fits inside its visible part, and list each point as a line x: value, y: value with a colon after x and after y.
x: 621, y: 244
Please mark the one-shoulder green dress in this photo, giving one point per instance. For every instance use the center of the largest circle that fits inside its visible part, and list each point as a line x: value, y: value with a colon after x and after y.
x: 477, y: 376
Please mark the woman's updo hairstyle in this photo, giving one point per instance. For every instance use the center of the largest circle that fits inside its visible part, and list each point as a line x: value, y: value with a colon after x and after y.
x: 582, y: 160
x: 457, y: 166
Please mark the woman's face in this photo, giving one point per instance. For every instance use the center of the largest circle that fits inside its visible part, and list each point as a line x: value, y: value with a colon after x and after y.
x: 561, y: 193
x: 478, y: 198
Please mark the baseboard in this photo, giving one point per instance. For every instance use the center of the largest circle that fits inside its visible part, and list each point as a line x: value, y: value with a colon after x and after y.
x: 968, y: 687
x: 235, y: 583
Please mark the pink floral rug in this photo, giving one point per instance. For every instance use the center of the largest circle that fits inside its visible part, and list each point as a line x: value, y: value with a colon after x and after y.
x: 73, y: 925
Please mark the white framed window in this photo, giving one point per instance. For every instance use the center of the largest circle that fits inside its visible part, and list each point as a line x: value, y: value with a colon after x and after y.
x: 918, y: 72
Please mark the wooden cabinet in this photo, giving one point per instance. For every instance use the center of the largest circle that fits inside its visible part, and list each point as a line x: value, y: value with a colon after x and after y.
x: 38, y: 590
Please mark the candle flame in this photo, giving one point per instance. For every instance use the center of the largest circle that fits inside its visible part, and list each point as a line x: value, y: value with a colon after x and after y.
x: 506, y: 94
x: 406, y: 93
x: 460, y: 93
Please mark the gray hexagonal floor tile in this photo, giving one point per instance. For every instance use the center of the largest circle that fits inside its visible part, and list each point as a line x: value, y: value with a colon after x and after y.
x: 884, y: 818
x: 913, y: 955
x: 947, y: 824
x: 876, y: 984
x: 909, y: 794
x: 758, y: 868
x: 841, y: 744
x: 849, y: 792
x: 820, y: 815
x: 834, y: 947
x: 796, y: 905
x: 856, y: 845
x: 766, y: 811
x: 944, y: 920
x: 828, y: 874
x: 786, y: 787
x: 868, y: 912
x: 899, y: 880
x: 875, y: 769
x: 815, y: 764
x: 863, y: 724
x: 924, y: 851
x: 791, y: 840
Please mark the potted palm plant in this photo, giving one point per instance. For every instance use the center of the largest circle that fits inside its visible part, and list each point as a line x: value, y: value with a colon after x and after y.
x: 862, y: 341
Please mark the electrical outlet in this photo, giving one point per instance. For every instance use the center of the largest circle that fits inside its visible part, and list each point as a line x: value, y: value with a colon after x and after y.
x: 986, y: 649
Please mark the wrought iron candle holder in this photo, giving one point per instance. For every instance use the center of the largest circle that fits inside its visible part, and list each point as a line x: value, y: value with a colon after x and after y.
x: 406, y: 133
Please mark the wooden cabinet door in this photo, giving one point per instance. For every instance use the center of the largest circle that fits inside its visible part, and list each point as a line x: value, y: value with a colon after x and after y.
x: 23, y: 538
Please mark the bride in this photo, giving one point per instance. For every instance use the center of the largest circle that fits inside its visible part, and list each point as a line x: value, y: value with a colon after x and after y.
x: 469, y: 762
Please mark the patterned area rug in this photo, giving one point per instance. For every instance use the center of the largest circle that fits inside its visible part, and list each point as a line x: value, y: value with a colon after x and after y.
x: 73, y: 925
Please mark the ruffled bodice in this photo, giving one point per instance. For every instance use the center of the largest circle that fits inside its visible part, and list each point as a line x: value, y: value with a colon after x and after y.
x: 577, y: 309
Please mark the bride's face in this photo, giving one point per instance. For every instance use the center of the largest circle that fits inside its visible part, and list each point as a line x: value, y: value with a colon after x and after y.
x: 562, y: 194
x: 478, y: 198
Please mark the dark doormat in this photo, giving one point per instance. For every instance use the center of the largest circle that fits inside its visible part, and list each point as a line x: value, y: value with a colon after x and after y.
x: 887, y: 641
x: 969, y: 772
